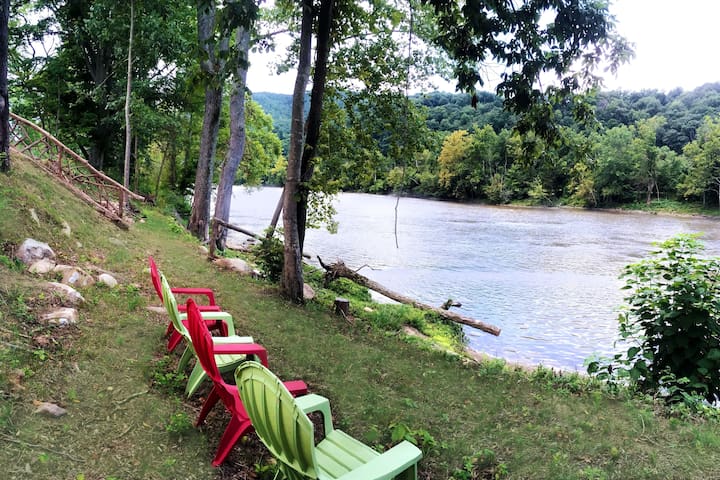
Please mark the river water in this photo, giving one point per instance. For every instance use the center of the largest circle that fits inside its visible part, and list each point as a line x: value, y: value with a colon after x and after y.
x: 547, y: 276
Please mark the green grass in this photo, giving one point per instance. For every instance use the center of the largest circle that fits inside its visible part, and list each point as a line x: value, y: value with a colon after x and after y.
x: 128, y: 420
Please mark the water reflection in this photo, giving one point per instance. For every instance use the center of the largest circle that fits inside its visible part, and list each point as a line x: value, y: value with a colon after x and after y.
x: 548, y: 277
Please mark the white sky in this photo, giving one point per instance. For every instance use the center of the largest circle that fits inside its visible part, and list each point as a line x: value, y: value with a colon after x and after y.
x: 675, y: 45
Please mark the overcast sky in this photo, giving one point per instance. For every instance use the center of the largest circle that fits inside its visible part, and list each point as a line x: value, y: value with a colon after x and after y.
x: 675, y: 46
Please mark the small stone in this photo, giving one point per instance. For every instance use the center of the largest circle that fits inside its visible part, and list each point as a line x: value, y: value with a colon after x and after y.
x: 50, y: 409
x: 203, y: 250
x: 34, y: 216
x: 368, y: 309
x: 31, y: 251
x: 66, y: 292
x: 61, y: 316
x: 66, y: 229
x: 42, y: 341
x: 107, y: 279
x: 308, y: 292
x: 42, y: 266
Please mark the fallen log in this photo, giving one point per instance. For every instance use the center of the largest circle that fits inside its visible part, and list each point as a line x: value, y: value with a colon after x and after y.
x: 339, y: 269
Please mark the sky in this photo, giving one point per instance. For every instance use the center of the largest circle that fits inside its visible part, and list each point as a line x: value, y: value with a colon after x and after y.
x: 674, y: 45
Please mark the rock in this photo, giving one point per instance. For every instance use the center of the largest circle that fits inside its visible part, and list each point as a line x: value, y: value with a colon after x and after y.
x: 107, y: 279
x: 31, y: 251
x: 68, y: 294
x: 61, y: 316
x: 308, y: 292
x: 235, y: 264
x: 49, y: 409
x: 42, y: 266
x: 66, y: 229
x: 368, y: 309
x: 155, y: 309
x: 74, y: 276
x: 116, y: 241
x: 34, y: 216
x: 203, y: 250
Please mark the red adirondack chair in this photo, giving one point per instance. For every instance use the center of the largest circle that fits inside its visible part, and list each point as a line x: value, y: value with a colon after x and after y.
x: 175, y: 338
x: 205, y: 350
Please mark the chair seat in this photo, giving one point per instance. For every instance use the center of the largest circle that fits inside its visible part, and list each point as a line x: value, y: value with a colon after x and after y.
x: 339, y: 453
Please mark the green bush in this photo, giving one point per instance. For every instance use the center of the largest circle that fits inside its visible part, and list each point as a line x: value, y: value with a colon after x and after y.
x: 268, y: 254
x: 670, y: 324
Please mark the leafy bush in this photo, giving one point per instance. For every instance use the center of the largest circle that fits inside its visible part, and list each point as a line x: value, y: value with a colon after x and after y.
x: 670, y: 324
x: 268, y: 254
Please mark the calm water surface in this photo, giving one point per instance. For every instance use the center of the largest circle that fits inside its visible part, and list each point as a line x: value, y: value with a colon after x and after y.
x: 547, y: 277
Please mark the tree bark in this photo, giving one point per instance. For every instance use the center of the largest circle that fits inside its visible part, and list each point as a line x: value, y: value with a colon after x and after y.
x: 128, y: 92
x: 211, y: 65
x: 4, y: 100
x: 314, y: 119
x: 292, y: 277
x: 339, y: 269
x: 236, y: 147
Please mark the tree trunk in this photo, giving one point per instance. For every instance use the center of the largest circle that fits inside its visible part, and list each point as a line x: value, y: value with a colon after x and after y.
x: 128, y: 91
x: 211, y: 64
x: 292, y: 276
x: 200, y: 213
x: 236, y: 147
x: 4, y: 101
x: 339, y: 269
x: 315, y: 114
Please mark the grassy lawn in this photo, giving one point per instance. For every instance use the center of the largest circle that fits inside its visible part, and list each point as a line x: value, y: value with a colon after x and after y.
x: 127, y: 417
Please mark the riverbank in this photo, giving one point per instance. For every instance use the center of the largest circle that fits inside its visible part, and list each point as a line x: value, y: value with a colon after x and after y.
x: 128, y: 418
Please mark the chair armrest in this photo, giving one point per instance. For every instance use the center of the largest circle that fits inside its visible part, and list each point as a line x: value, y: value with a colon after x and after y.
x: 316, y: 403
x: 202, y: 308
x: 296, y: 387
x: 206, y: 292
x: 242, y: 348
x: 387, y: 465
x: 232, y: 339
x: 224, y: 316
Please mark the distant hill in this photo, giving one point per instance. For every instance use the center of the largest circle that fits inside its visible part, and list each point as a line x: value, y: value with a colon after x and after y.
x: 447, y: 112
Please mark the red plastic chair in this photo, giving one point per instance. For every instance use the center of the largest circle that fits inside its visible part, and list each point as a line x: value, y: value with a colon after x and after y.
x: 175, y: 338
x: 205, y: 349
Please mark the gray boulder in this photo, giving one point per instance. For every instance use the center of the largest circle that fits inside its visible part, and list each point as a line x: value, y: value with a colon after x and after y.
x: 31, y: 251
x: 68, y: 294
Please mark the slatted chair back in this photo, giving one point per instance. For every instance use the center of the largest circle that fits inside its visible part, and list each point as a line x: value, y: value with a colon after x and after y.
x: 279, y: 422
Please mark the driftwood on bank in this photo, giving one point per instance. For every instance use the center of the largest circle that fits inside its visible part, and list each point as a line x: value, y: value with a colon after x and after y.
x: 339, y: 269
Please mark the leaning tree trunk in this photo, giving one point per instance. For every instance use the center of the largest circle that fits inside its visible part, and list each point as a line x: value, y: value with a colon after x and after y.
x: 4, y: 101
x: 236, y: 148
x: 292, y: 276
x: 211, y: 65
x: 314, y: 120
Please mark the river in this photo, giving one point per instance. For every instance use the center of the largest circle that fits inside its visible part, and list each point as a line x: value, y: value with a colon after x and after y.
x: 547, y: 276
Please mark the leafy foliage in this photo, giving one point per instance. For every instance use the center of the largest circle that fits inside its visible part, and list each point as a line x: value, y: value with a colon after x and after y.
x: 268, y: 254
x: 671, y: 324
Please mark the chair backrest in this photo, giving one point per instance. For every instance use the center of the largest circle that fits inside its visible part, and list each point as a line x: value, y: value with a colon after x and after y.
x: 202, y: 342
x: 172, y: 308
x: 155, y: 277
x: 281, y: 425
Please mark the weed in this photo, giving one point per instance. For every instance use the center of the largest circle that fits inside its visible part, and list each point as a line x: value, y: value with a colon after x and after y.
x: 179, y: 424
x: 268, y: 254
x: 482, y: 465
x: 420, y: 437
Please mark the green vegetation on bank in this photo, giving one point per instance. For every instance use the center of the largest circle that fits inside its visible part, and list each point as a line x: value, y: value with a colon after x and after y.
x: 128, y: 418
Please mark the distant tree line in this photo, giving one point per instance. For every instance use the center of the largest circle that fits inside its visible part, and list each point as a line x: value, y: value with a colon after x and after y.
x: 640, y: 147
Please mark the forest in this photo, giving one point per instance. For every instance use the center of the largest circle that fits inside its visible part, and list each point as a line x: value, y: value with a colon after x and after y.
x: 641, y: 147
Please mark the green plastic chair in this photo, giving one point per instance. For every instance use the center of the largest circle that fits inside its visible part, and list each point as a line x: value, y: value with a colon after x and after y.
x: 282, y: 424
x: 226, y: 362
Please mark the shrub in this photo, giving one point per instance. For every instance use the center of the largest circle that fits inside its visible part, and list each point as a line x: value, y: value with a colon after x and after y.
x: 268, y: 254
x: 670, y: 324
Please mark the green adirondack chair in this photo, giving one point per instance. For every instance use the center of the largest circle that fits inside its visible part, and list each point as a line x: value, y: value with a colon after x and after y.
x: 226, y: 362
x: 282, y: 424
